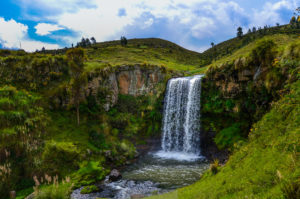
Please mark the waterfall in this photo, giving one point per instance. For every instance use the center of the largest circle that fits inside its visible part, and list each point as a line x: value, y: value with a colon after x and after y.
x: 181, y: 117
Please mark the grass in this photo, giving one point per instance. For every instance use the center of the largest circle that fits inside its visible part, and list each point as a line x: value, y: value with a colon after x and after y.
x: 268, y: 166
x: 140, y: 51
x: 280, y: 39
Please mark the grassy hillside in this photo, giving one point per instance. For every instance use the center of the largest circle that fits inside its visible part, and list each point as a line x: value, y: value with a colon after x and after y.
x: 268, y: 166
x: 265, y: 158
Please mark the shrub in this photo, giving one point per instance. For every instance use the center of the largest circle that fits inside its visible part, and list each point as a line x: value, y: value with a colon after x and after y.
x: 214, y: 166
x: 228, y: 136
x: 60, y: 157
x: 128, y: 148
x: 97, y: 139
x: 89, y: 173
x: 264, y: 52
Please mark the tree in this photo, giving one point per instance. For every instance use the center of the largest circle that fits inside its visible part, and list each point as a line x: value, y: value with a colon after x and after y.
x: 82, y: 43
x: 76, y: 58
x: 254, y: 29
x: 293, y: 20
x: 212, y: 44
x: 249, y: 31
x: 239, y: 32
x: 88, y: 42
x: 93, y: 40
x: 277, y: 24
x: 123, y: 41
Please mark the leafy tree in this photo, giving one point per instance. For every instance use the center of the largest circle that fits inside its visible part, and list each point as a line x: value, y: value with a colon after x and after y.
x: 88, y: 42
x: 212, y: 44
x: 76, y: 58
x: 254, y: 29
x: 249, y: 31
x: 123, y: 41
x: 93, y: 40
x: 239, y: 32
x: 293, y: 20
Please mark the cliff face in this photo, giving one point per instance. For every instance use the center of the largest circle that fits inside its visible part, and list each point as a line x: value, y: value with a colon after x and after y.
x: 126, y: 80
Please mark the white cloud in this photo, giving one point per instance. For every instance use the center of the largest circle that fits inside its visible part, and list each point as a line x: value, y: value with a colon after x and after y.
x: 191, y: 23
x: 46, y: 28
x: 103, y: 22
x: 14, y: 34
x: 270, y: 14
x: 11, y: 32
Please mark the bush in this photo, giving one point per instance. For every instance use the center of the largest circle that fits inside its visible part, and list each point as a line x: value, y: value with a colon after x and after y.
x: 128, y: 149
x: 89, y: 173
x: 264, y: 52
x: 214, y: 166
x: 97, y: 139
x: 228, y: 136
x: 60, y: 157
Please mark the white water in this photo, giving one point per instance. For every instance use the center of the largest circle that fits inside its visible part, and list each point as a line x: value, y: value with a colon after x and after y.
x: 181, y: 120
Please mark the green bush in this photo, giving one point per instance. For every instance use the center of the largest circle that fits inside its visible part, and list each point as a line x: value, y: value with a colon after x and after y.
x: 264, y: 52
x: 60, y: 157
x: 128, y: 148
x: 228, y: 136
x: 89, y: 173
x: 97, y: 139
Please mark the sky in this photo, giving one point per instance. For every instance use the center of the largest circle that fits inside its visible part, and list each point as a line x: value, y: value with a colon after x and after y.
x: 193, y: 24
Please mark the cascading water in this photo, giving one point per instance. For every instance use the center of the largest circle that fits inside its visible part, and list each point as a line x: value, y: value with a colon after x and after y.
x: 181, y: 119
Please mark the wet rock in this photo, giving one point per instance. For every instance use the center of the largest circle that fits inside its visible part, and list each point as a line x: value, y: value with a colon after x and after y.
x: 115, y: 175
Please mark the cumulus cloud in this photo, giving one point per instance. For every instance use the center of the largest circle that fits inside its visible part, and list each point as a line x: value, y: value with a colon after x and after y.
x: 192, y: 24
x: 272, y: 13
x: 14, y: 35
x: 11, y: 32
x: 46, y: 28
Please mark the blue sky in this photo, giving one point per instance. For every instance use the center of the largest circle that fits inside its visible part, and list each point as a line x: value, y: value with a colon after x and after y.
x: 193, y: 24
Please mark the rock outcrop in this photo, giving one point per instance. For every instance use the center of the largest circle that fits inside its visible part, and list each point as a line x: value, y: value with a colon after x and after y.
x: 105, y: 85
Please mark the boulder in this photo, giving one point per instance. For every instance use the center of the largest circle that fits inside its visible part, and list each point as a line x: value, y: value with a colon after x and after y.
x: 115, y: 175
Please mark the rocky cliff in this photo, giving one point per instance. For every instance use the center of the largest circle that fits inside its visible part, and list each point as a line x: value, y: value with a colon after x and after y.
x: 133, y: 80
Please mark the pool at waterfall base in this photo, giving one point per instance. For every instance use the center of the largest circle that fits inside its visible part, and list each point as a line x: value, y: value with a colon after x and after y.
x: 154, y: 173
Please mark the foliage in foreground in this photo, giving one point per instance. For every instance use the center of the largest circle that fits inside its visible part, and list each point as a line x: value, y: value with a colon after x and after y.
x: 268, y: 166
